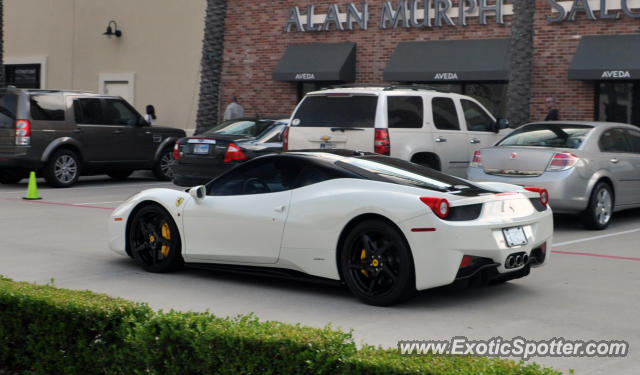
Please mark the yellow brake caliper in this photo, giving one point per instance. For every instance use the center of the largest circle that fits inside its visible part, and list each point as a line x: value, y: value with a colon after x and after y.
x: 363, y: 256
x: 166, y: 234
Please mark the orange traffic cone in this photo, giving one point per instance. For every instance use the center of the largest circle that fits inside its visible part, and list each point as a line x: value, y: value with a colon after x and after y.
x: 32, y: 190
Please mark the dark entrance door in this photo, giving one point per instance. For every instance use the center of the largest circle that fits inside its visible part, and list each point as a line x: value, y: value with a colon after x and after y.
x: 618, y: 102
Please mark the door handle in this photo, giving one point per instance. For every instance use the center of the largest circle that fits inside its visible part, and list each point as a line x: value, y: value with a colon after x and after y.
x: 474, y: 141
x: 117, y: 132
x: 279, y: 209
x: 614, y: 161
x: 78, y: 131
x: 147, y: 132
x: 441, y: 139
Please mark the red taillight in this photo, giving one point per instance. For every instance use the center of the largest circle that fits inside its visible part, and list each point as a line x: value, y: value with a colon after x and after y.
x: 285, y: 139
x: 381, y: 144
x: 176, y: 151
x: 234, y: 153
x: 466, y: 261
x: 477, y: 159
x: 23, y: 132
x: 562, y: 161
x: 544, y: 194
x: 439, y: 206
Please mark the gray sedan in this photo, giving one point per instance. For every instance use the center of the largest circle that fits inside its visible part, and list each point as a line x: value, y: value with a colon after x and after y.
x: 589, y: 168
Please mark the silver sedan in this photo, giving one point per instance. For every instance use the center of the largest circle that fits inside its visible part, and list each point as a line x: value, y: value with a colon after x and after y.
x: 589, y: 168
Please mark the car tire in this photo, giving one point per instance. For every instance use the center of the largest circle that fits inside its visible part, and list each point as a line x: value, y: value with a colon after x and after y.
x: 376, y: 264
x: 162, y: 170
x: 599, y: 212
x: 120, y: 175
x: 154, y: 241
x: 11, y: 176
x: 63, y: 169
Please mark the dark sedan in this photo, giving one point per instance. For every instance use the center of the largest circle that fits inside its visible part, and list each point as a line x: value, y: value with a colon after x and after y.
x: 202, y: 157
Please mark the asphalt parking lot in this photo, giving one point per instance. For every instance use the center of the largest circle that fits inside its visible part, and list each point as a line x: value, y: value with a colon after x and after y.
x: 589, y: 290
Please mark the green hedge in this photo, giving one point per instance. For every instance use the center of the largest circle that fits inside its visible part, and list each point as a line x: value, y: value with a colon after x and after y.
x: 45, y: 330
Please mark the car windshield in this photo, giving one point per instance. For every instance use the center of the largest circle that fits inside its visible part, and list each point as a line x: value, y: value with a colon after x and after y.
x: 248, y: 128
x: 403, y: 172
x: 548, y: 135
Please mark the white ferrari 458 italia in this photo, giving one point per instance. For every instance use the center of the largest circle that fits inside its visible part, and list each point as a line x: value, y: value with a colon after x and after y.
x: 385, y: 227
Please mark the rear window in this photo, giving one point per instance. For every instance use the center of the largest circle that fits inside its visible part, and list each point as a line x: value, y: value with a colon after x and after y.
x: 247, y: 128
x: 8, y: 107
x: 548, y: 135
x: 47, y: 107
x: 402, y: 172
x: 357, y: 111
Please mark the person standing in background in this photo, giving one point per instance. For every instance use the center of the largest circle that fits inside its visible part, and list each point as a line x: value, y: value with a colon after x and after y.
x: 150, y: 117
x: 553, y: 114
x: 234, y: 110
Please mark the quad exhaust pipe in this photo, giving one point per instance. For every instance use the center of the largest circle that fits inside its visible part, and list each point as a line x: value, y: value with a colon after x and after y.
x: 516, y: 260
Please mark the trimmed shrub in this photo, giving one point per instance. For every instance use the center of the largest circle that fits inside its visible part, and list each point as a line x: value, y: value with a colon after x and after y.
x: 45, y: 330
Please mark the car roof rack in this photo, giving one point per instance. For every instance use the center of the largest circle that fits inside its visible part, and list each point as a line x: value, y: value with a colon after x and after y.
x: 387, y: 87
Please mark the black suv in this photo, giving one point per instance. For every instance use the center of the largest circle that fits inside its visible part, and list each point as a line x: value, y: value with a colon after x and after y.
x: 65, y: 134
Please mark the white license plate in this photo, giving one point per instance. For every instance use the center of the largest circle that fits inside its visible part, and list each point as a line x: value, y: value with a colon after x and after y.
x: 201, y: 149
x: 328, y: 146
x: 515, y: 236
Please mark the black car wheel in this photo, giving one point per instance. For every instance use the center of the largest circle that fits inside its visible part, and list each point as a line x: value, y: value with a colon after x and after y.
x: 120, y: 174
x: 162, y: 169
x: 600, y: 210
x: 154, y: 241
x: 62, y: 170
x: 376, y: 264
x: 11, y: 176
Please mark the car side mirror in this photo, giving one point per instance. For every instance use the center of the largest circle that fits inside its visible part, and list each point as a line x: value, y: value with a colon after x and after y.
x: 500, y: 124
x: 198, y: 192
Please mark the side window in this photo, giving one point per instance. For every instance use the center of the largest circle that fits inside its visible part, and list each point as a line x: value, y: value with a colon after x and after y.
x: 87, y: 111
x: 445, y: 116
x: 47, y: 107
x: 634, y: 137
x: 614, y: 140
x: 263, y: 176
x: 405, y: 111
x: 477, y: 119
x: 117, y: 112
x: 310, y: 175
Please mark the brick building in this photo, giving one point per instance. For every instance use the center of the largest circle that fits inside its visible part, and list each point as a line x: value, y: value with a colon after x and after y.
x: 585, y: 56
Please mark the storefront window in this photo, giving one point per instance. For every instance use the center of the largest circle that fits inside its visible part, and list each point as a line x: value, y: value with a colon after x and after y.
x: 25, y: 76
x: 618, y: 102
x: 492, y: 95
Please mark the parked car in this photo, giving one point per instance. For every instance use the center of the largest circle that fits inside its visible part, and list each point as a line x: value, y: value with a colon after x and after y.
x: 436, y: 129
x: 589, y: 168
x: 384, y: 226
x: 65, y: 134
x: 202, y: 157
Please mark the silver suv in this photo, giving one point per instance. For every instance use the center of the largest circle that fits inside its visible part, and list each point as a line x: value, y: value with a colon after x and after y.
x: 437, y: 129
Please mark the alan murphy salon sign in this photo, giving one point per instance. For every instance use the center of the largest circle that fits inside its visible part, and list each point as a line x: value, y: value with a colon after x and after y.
x: 438, y: 13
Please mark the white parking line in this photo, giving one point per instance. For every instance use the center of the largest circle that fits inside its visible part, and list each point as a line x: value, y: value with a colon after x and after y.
x: 596, y: 237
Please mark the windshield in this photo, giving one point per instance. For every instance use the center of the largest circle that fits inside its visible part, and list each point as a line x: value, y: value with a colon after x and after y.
x: 548, y: 135
x: 404, y: 173
x: 247, y: 128
x: 337, y: 110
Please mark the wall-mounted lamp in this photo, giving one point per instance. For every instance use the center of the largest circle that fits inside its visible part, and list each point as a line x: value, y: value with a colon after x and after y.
x: 113, y: 31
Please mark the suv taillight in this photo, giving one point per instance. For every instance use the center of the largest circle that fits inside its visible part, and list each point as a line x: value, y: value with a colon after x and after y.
x: 439, y: 206
x: 561, y: 161
x: 477, y: 159
x: 23, y: 132
x: 234, y: 153
x: 176, y: 151
x: 381, y: 144
x: 285, y: 139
